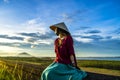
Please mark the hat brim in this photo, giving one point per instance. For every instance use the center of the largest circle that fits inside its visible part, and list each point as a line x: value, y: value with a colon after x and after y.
x: 53, y: 28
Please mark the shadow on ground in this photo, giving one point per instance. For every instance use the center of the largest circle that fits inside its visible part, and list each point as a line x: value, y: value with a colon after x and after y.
x: 96, y: 76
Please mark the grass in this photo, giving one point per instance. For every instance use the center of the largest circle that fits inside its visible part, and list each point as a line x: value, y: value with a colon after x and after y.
x: 7, y: 73
x: 81, y: 63
x: 100, y: 64
x: 14, y: 71
x: 23, y: 68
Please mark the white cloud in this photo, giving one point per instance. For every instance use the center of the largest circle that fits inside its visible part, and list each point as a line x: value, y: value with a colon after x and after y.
x: 2, y: 40
x: 32, y: 25
x: 8, y: 49
x: 84, y: 40
x: 6, y: 29
x: 35, y: 41
x: 16, y: 45
x: 67, y: 18
x: 29, y: 26
x: 116, y: 37
x: 32, y: 21
x: 33, y: 46
x: 35, y: 25
x: 81, y: 32
x: 47, y: 41
x: 30, y: 40
x: 6, y: 1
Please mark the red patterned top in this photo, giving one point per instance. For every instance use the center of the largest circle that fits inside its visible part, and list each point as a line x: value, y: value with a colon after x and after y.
x: 64, y: 51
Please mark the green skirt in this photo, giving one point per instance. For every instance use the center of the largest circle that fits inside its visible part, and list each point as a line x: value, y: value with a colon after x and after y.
x: 58, y: 71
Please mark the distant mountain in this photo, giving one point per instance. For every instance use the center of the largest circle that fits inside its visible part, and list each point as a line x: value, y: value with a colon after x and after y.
x: 24, y: 54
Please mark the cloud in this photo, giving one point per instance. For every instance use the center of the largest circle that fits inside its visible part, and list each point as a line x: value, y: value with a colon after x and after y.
x: 92, y: 31
x: 38, y: 35
x: 32, y: 21
x: 109, y: 44
x: 36, y: 25
x: 117, y: 31
x: 11, y: 37
x: 16, y: 44
x: 6, y: 1
x: 10, y: 49
x: 83, y: 28
x: 87, y: 15
x: 33, y: 46
x: 67, y: 18
x: 108, y: 37
x: 4, y: 40
x: 74, y: 15
x: 94, y: 37
x: 6, y: 44
x: 91, y: 35
x: 30, y: 40
x: 102, y: 47
x: 82, y: 15
x: 37, y: 41
x: 31, y: 25
x: 89, y: 39
x: 27, y: 40
x: 83, y: 40
x: 23, y: 45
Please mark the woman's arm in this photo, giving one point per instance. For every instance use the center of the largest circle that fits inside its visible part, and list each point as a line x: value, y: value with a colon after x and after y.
x: 73, y: 60
x: 71, y: 52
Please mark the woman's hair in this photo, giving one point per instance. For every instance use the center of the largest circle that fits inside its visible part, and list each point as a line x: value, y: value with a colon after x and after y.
x: 59, y: 30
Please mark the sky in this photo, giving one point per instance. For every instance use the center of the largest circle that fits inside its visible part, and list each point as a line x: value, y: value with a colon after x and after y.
x: 93, y: 24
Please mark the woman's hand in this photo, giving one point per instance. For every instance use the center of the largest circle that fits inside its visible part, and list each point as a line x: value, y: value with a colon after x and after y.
x: 77, y: 67
x: 72, y: 60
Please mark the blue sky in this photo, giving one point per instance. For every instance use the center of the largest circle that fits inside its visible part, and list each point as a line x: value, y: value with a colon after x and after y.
x: 94, y: 25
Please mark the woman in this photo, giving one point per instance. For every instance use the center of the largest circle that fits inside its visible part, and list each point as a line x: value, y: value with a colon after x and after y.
x: 64, y: 67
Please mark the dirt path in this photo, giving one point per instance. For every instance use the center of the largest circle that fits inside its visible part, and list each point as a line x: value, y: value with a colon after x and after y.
x: 102, y: 71
x: 93, y: 73
x: 96, y: 76
x: 102, y: 74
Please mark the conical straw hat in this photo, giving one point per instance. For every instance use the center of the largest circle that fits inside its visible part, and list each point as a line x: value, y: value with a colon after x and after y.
x: 59, y: 25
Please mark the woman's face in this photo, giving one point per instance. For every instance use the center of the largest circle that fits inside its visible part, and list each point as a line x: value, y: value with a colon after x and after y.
x: 56, y: 31
x: 59, y: 33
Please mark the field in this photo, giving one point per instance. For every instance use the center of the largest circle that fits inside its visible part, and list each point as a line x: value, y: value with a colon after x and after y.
x: 22, y: 68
